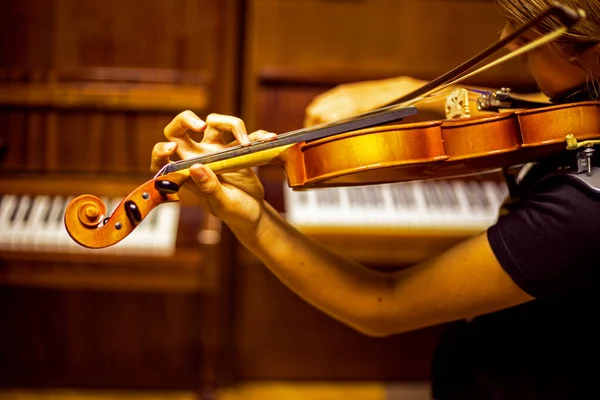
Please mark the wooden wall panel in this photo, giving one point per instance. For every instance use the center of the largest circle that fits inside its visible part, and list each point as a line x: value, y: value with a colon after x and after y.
x: 280, y: 336
x: 86, y: 89
x: 323, y: 41
x: 64, y: 34
x: 422, y: 36
x: 100, y: 339
x: 80, y: 141
x: 79, y: 78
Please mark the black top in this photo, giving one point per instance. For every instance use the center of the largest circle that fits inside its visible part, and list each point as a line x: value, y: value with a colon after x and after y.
x: 549, y: 244
x: 542, y: 349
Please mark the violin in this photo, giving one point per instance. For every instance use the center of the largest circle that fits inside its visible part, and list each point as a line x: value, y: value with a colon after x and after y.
x: 370, y: 148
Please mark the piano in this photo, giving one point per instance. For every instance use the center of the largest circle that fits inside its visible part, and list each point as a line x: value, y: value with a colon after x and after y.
x: 81, y: 107
x: 169, y: 251
x: 420, y: 205
x: 399, y: 223
x: 126, y: 316
x: 36, y: 223
x: 111, y: 317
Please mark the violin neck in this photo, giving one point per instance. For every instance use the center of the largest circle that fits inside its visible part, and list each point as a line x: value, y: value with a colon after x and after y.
x: 264, y: 157
x: 284, y: 141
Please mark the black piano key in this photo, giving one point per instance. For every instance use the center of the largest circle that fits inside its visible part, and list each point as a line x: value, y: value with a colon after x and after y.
x: 61, y: 215
x: 500, y: 192
x: 476, y: 196
x: 431, y: 201
x: 302, y: 197
x: 448, y: 195
x: 375, y: 196
x: 46, y: 216
x: 437, y: 195
x: 403, y: 196
x: 354, y: 196
x: 28, y: 211
x: 152, y: 219
x: 365, y: 196
x: 13, y: 215
x: 328, y: 197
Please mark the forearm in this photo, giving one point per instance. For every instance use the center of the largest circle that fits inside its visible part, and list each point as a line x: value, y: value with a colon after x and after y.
x: 464, y: 281
x: 339, y: 287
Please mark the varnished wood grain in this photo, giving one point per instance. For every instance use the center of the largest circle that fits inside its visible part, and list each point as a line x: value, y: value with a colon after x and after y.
x: 106, y: 96
x: 87, y: 88
x: 189, y: 272
x: 99, y: 338
x: 329, y: 42
x: 277, y: 390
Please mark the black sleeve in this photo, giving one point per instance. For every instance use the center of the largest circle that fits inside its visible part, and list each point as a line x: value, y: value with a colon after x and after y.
x: 548, y: 242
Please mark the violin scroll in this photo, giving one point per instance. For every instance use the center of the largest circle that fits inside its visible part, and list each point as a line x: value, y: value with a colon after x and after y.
x: 90, y: 210
x: 87, y: 223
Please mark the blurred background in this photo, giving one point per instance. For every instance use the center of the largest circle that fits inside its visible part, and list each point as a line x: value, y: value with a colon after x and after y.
x: 182, y: 311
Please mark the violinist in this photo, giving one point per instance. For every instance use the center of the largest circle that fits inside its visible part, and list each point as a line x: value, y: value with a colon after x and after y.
x: 520, y: 299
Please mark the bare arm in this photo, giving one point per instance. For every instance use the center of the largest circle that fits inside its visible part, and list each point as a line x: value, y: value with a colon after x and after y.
x: 461, y: 283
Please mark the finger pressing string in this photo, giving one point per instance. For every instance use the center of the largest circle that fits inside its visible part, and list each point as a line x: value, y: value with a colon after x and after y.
x: 177, y: 129
x: 257, y: 137
x: 218, y: 124
x: 160, y: 155
x: 262, y: 135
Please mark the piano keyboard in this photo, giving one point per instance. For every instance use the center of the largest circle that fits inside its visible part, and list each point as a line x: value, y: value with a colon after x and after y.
x: 35, y: 223
x: 442, y: 204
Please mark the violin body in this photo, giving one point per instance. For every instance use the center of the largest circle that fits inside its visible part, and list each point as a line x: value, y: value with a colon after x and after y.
x: 431, y: 150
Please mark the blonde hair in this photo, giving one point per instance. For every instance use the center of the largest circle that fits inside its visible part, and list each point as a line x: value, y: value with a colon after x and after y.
x: 581, y: 37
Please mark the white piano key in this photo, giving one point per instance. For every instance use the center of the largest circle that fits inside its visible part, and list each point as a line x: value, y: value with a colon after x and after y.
x: 138, y: 241
x: 7, y: 209
x: 164, y: 232
x: 44, y: 238
x: 40, y: 233
x: 496, y: 190
x: 17, y: 222
x: 34, y: 222
x: 302, y: 205
x: 420, y: 204
x: 37, y: 224
x: 447, y: 197
x: 405, y: 205
x: 62, y: 240
x: 424, y: 214
x: 117, y: 248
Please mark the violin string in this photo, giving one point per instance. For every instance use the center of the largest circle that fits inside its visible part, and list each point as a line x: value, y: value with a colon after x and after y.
x: 450, y: 78
x: 298, y: 136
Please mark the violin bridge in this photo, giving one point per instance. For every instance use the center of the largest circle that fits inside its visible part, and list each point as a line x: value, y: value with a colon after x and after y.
x: 457, y: 104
